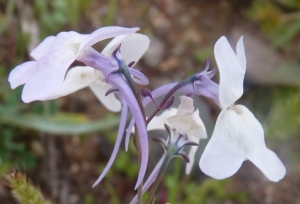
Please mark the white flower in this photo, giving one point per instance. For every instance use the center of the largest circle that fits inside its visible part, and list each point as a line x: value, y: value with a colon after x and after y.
x: 238, y: 135
x: 186, y: 121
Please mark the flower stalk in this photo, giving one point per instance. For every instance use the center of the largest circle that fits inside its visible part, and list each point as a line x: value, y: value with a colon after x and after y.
x: 137, y: 145
x: 160, y: 175
x: 166, y: 98
x: 173, y: 147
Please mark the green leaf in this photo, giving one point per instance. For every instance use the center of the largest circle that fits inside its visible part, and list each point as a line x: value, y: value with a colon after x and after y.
x: 62, y: 124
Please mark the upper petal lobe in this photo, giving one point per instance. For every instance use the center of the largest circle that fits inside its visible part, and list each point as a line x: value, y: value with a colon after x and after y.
x: 21, y: 74
x: 48, y: 77
x: 231, y: 72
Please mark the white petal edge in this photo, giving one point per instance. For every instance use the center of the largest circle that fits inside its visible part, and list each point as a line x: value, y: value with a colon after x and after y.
x: 43, y: 48
x: 231, y: 73
x: 189, y: 123
x: 110, y: 101
x: 257, y: 152
x: 49, y: 75
x: 240, y: 52
x: 268, y: 163
x: 199, y: 132
x: 133, y: 46
x: 105, y: 33
x: 192, y: 153
x: 158, y: 121
x: 77, y: 78
x: 21, y: 74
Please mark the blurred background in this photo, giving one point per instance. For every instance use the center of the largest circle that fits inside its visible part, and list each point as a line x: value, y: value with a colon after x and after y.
x: 63, y: 145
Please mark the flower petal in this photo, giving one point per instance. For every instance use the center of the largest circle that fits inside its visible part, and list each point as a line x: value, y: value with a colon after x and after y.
x: 240, y: 53
x: 197, y: 132
x: 186, y: 106
x: 186, y: 121
x: 133, y: 46
x: 221, y: 157
x: 43, y: 48
x: 239, y: 134
x: 21, y: 74
x: 192, y: 153
x: 231, y: 72
x: 77, y: 78
x: 49, y: 75
x: 254, y: 146
x: 208, y: 88
x: 94, y: 59
x: 70, y: 40
x: 158, y: 121
x: 269, y: 163
x: 110, y: 101
x: 105, y: 33
x: 122, y: 125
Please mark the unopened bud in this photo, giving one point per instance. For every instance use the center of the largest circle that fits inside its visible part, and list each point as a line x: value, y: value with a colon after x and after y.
x: 169, y: 102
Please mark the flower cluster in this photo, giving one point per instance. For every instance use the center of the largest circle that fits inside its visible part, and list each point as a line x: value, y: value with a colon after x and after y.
x: 237, y: 136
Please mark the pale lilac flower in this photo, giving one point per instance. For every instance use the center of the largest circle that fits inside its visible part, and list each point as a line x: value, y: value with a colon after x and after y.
x: 52, y: 58
x: 82, y: 76
x: 133, y: 47
x: 45, y: 76
x: 238, y: 135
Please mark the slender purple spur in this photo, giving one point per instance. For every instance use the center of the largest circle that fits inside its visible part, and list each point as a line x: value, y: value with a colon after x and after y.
x: 115, y: 76
x: 118, y: 140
